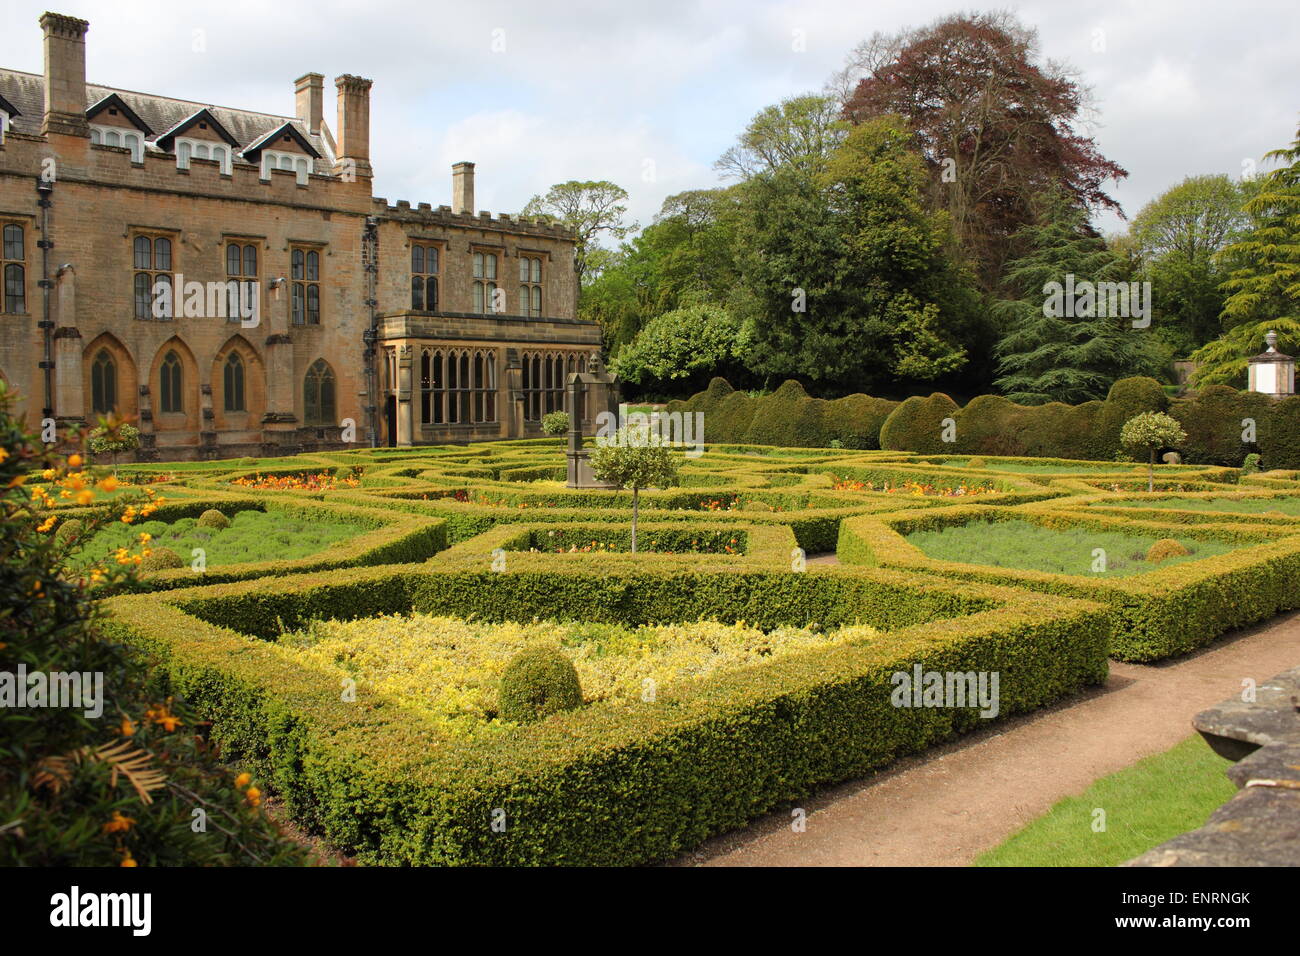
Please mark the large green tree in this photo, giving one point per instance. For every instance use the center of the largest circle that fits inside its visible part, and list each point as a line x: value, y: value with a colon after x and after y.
x: 1069, y: 353
x: 845, y: 277
x: 683, y: 349
x: 1263, y: 284
x: 1178, y: 238
x: 590, y: 209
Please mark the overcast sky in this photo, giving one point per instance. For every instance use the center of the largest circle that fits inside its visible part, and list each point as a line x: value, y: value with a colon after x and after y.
x: 649, y: 94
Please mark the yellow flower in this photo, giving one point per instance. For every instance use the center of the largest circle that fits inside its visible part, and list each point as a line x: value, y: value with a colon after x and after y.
x: 47, y: 524
x: 48, y: 474
x: 85, y: 497
x: 119, y: 823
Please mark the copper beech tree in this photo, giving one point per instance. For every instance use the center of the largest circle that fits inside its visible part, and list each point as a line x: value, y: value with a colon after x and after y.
x: 995, y: 123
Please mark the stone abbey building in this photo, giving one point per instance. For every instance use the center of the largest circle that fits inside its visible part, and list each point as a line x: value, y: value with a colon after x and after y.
x: 226, y: 279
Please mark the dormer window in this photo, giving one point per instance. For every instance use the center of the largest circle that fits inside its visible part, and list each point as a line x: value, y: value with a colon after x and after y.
x: 187, y: 149
x: 292, y: 162
x: 4, y: 125
x: 117, y: 136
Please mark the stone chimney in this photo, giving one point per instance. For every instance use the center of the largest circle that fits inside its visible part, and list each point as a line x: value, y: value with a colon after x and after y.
x: 354, y: 125
x: 309, y: 95
x: 462, y: 189
x: 65, y: 75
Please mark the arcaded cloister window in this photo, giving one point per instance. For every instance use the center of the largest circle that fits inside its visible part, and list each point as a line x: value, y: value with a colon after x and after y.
x: 232, y: 383
x: 304, y: 269
x: 485, y: 282
x: 424, y: 277
x: 530, y: 286
x: 458, y: 387
x: 241, y: 274
x: 15, y: 268
x: 544, y: 375
x: 319, y: 410
x: 103, y: 384
x: 170, y: 379
x: 152, y: 262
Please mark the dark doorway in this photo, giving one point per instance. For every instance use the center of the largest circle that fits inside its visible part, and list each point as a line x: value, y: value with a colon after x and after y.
x: 390, y: 417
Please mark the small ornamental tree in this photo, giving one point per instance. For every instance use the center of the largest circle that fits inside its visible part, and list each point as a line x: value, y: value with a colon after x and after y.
x: 1150, y: 432
x: 556, y: 423
x: 113, y: 436
x: 635, y: 457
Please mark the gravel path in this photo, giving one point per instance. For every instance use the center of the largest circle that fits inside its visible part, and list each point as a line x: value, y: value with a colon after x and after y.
x: 944, y: 807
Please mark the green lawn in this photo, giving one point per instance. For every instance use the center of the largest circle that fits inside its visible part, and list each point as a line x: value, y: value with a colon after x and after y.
x: 1146, y: 804
x: 1286, y: 506
x: 1029, y: 547
x: 252, y: 536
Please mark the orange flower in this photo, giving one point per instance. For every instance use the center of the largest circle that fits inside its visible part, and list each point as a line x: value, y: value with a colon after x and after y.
x: 128, y: 860
x: 119, y: 823
x: 47, y: 524
x: 74, y: 461
x: 127, y: 728
x: 168, y: 722
x: 243, y: 780
x: 85, y: 497
x: 108, y: 484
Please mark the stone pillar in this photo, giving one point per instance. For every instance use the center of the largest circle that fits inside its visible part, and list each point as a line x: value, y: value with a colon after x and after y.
x: 510, y: 397
x: 148, y: 439
x: 280, y: 421
x: 405, y: 420
x: 70, y: 403
x: 207, y: 423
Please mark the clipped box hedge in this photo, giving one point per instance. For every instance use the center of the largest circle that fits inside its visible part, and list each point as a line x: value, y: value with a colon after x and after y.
x: 1158, y: 614
x: 606, y: 784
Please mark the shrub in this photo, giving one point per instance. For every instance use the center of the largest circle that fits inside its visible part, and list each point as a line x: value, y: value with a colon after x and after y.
x: 787, y: 417
x: 212, y: 518
x: 917, y: 425
x: 1251, y: 465
x: 1280, y: 447
x: 70, y: 530
x: 1213, y: 421
x: 556, y: 423
x: 1127, y: 398
x: 538, y: 681
x: 977, y: 463
x: 1164, y: 549
x: 160, y: 559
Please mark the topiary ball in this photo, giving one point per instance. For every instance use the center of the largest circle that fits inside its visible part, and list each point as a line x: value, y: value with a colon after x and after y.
x: 538, y: 681
x: 70, y: 530
x: 212, y: 518
x: 160, y: 559
x: 977, y: 463
x: 1164, y: 549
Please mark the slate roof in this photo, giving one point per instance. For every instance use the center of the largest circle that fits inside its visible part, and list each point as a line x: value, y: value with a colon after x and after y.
x: 26, y: 92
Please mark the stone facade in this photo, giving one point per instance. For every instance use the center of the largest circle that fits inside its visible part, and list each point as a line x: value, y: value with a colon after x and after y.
x: 119, y: 196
